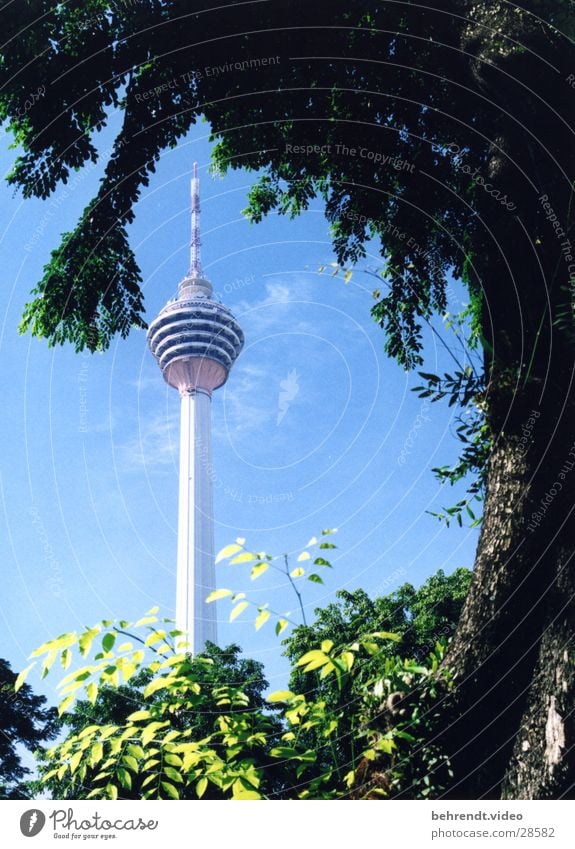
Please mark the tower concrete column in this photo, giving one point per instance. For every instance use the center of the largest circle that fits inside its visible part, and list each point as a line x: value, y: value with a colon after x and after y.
x: 195, y: 559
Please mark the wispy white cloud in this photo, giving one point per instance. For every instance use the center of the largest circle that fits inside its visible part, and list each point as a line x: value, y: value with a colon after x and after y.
x: 281, y: 300
x: 245, y: 410
x: 250, y: 398
x: 154, y: 446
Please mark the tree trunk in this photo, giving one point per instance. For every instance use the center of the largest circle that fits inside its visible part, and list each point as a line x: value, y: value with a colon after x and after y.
x: 512, y: 730
x: 542, y: 763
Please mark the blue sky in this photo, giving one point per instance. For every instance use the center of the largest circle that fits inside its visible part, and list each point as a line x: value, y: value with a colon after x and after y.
x: 315, y: 428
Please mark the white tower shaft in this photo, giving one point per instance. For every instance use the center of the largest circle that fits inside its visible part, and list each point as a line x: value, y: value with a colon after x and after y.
x: 195, y: 567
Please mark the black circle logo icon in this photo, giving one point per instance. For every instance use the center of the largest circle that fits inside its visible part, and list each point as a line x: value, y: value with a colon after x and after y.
x: 32, y: 822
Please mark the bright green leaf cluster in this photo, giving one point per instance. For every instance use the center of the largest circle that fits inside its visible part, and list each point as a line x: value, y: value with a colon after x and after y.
x: 237, y: 554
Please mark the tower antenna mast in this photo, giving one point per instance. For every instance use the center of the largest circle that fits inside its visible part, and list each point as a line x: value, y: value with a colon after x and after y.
x: 195, y: 244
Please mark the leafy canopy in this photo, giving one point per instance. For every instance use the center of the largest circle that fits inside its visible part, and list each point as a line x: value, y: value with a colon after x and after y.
x: 398, y: 115
x: 24, y: 721
x: 358, y: 720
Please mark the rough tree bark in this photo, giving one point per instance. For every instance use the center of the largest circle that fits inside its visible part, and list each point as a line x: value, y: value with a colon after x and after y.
x: 512, y: 730
x: 512, y: 654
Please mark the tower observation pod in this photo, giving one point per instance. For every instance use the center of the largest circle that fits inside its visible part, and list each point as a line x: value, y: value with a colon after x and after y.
x: 195, y: 340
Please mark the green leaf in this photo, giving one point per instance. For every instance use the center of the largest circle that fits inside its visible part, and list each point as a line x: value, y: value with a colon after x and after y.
x: 170, y: 790
x: 244, y: 557
x: 262, y: 618
x: 86, y: 639
x: 22, y: 677
x: 328, y: 667
x: 240, y: 791
x: 75, y: 760
x: 131, y: 762
x: 154, y: 686
x: 139, y: 715
x: 92, y: 691
x: 151, y: 639
x: 172, y: 735
x: 238, y: 609
x: 135, y: 751
x: 124, y: 778
x: 128, y: 670
x: 145, y: 620
x: 316, y: 579
x: 217, y: 594
x: 79, y: 675
x: 201, y: 787
x: 313, y: 660
x: 414, y: 668
x: 173, y: 774
x: 108, y: 641
x: 48, y: 662
x: 280, y: 696
x: 96, y: 753
x: 347, y: 657
x: 112, y: 791
x: 111, y: 676
x: 108, y: 731
x: 281, y: 625
x: 57, y: 645
x: 150, y: 731
x: 228, y: 551
x: 88, y: 731
x: 383, y: 635
x: 65, y: 704
x: 259, y: 569
x: 319, y: 561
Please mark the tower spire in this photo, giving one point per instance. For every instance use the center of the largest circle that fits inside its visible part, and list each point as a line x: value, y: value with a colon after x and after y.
x: 195, y: 259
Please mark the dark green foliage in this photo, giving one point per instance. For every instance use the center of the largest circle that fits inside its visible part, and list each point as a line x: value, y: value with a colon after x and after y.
x: 225, y: 669
x: 422, y: 618
x: 24, y: 721
x: 407, y: 704
x: 228, y: 668
x: 239, y: 751
x: 161, y: 724
x: 407, y: 83
x: 465, y: 389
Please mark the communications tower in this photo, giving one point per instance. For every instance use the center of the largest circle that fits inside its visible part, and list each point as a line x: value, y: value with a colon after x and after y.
x: 195, y: 340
